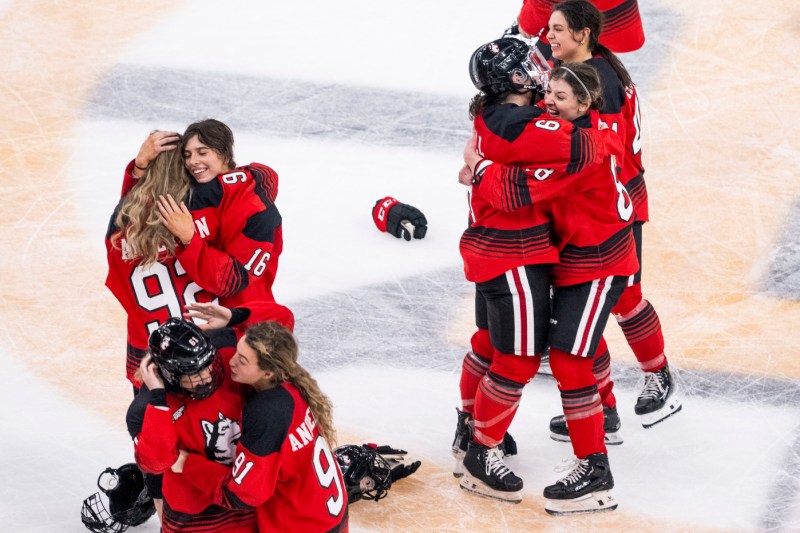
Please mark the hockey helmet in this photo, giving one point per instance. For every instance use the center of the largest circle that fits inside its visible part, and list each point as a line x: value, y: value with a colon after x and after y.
x: 508, y: 64
x: 186, y: 359
x: 367, y: 475
x: 129, y: 503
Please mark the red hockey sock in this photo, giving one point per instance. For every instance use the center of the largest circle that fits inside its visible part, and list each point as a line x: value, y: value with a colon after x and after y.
x: 580, y: 401
x: 495, y: 405
x: 601, y: 368
x: 642, y: 329
x: 473, y: 369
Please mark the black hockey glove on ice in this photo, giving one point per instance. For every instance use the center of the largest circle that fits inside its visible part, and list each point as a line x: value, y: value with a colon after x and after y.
x: 399, y: 219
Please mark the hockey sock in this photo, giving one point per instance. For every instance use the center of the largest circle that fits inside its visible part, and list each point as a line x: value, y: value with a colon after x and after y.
x: 601, y: 368
x: 473, y: 369
x: 642, y: 329
x: 495, y: 405
x: 580, y: 401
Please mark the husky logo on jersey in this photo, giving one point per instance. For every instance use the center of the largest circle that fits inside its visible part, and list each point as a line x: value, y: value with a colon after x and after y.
x: 221, y: 437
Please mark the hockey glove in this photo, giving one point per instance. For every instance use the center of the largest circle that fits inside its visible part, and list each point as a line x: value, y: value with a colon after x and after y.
x: 395, y: 458
x: 398, y: 219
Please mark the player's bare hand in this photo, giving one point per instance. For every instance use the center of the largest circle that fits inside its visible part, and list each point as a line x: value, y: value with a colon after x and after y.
x: 177, y: 218
x: 157, y: 142
x: 177, y: 467
x: 215, y: 315
x: 149, y: 373
x: 471, y: 155
x: 465, y: 176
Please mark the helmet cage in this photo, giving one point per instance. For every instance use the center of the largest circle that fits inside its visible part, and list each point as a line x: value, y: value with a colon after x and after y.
x: 129, y: 503
x: 509, y: 64
x: 367, y: 475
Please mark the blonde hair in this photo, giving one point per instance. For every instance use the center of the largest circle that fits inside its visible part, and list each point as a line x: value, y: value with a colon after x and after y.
x: 276, y: 348
x: 145, y: 236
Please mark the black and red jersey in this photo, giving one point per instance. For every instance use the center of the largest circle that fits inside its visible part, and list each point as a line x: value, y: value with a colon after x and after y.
x: 621, y: 113
x: 591, y: 210
x: 283, y: 468
x: 499, y: 239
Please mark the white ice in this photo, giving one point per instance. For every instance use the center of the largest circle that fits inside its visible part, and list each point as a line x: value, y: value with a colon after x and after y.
x: 712, y: 466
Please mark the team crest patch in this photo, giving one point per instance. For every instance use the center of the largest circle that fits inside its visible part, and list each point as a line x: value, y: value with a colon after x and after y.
x: 221, y: 437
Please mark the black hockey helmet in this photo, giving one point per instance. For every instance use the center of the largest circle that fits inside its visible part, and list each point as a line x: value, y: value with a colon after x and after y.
x: 181, y: 349
x: 508, y: 64
x: 129, y: 503
x: 366, y: 473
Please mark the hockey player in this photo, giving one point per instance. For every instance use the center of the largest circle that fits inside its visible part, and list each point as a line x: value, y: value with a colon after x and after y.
x: 623, y: 23
x: 592, y: 220
x: 187, y: 402
x: 174, y: 240
x: 576, y: 35
x: 508, y: 257
x: 284, y: 467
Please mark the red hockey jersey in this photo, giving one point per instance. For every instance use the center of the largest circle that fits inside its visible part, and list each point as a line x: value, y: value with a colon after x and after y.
x: 233, y: 255
x: 621, y: 113
x: 162, y: 424
x: 283, y: 467
x: 497, y: 239
x: 592, y: 212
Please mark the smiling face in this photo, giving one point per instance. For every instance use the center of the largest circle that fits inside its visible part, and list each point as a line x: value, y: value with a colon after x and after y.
x: 565, y: 42
x: 561, y: 102
x: 202, y: 162
x: 245, y: 369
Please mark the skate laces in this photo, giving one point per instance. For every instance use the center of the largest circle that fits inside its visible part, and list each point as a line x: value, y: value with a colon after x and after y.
x: 495, y: 464
x: 654, y: 385
x: 579, y: 468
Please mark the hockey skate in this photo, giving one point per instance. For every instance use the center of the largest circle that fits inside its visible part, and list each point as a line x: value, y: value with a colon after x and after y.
x: 611, y: 425
x: 586, y: 489
x: 463, y: 437
x: 657, y: 401
x: 485, y: 474
x: 464, y: 430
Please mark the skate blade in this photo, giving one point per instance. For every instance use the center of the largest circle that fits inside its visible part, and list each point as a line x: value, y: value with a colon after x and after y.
x: 672, y: 406
x: 458, y: 467
x: 597, y: 502
x: 478, y: 487
x: 611, y: 439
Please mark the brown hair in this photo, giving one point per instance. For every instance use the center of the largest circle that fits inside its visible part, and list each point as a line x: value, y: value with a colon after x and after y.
x: 276, y: 348
x: 138, y: 217
x: 581, y: 77
x: 581, y: 14
x: 214, y: 134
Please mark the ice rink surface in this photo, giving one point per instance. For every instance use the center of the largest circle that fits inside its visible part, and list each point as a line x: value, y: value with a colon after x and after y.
x: 352, y: 101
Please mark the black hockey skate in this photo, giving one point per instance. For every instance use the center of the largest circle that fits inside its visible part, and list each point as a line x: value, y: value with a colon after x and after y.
x: 464, y: 431
x: 657, y: 401
x: 586, y: 489
x: 487, y: 475
x: 611, y: 425
x: 461, y: 441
